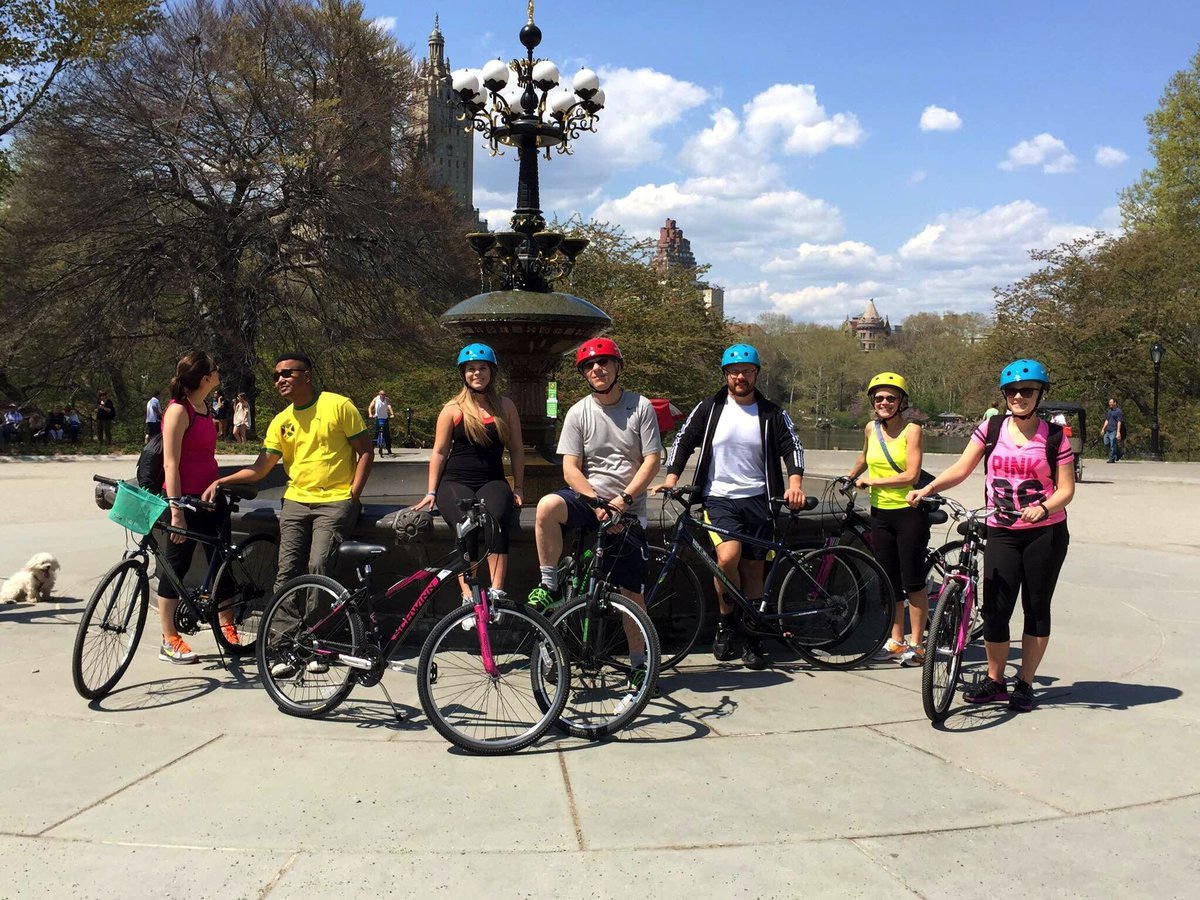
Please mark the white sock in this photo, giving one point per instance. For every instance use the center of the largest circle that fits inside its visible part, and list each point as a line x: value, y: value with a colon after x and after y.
x: 550, y: 577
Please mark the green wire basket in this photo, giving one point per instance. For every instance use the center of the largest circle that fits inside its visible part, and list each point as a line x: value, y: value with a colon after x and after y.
x: 136, y: 509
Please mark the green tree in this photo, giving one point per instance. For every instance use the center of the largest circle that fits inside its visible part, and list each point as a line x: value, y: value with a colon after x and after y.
x: 1168, y: 196
x: 41, y: 39
x: 243, y: 179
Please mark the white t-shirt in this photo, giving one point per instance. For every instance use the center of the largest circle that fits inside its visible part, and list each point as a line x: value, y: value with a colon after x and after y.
x: 737, y: 454
x: 612, y: 442
x: 153, y: 410
x: 380, y: 408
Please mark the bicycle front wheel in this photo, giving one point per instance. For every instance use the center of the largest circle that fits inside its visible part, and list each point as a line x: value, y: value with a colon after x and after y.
x: 110, y: 629
x: 499, y: 706
x: 937, y: 565
x: 605, y: 645
x: 939, y: 673
x: 304, y: 633
x: 676, y: 608
x: 245, y: 584
x: 836, y: 607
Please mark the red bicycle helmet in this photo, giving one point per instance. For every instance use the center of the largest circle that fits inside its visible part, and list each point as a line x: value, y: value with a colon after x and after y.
x: 601, y: 346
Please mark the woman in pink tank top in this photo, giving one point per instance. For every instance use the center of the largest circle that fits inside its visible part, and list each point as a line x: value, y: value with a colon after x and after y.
x: 189, y: 438
x: 1027, y: 535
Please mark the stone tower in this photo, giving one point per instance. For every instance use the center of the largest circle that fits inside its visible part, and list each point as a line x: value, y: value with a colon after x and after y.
x: 448, y: 148
x: 673, y: 251
x: 870, y: 328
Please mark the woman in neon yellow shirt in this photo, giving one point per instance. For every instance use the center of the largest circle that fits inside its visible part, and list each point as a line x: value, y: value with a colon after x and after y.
x: 889, y: 465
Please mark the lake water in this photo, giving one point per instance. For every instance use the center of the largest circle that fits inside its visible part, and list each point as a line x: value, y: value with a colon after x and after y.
x: 851, y: 439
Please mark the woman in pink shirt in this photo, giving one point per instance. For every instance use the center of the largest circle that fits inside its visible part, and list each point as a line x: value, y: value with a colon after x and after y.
x: 1027, y: 534
x: 190, y: 466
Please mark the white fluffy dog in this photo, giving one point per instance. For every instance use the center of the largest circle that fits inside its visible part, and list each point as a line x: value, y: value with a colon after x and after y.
x: 33, y: 583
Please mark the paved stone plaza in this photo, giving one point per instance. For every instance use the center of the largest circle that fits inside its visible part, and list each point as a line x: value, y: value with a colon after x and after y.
x: 187, y: 782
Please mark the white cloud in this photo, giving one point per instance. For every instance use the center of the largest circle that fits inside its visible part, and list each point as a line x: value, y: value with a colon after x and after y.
x: 1043, y: 150
x: 1000, y: 234
x: 828, y: 259
x: 826, y: 303
x: 791, y: 112
x: 917, y: 177
x: 935, y: 118
x: 1109, y: 157
x: 637, y: 104
x: 384, y: 23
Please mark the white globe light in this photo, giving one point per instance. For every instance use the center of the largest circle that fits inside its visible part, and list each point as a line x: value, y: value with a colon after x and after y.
x: 465, y: 80
x: 560, y: 101
x: 495, y: 75
x: 545, y: 75
x: 597, y: 99
x: 585, y: 80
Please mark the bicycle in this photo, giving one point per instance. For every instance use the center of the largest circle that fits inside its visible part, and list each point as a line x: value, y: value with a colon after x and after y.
x: 677, y: 612
x: 832, y: 605
x: 234, y: 591
x: 494, y: 687
x: 956, y: 620
x: 604, y: 632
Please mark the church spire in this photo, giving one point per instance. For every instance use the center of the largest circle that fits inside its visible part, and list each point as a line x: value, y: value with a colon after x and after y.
x: 437, y: 46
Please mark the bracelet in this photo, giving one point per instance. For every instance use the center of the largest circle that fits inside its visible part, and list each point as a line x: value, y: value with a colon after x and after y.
x: 431, y: 493
x: 1042, y: 504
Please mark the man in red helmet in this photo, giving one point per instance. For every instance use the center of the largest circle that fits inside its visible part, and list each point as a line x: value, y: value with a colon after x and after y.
x: 611, y: 448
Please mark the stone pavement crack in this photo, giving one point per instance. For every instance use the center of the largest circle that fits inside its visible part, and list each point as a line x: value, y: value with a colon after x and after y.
x: 126, y: 787
x: 562, y: 765
x: 270, y: 885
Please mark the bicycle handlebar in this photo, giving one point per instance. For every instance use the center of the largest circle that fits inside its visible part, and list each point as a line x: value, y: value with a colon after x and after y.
x: 958, y: 510
x: 187, y: 501
x: 614, y: 517
x: 685, y: 494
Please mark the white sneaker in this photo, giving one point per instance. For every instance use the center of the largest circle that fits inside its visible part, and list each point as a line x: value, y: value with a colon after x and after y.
x: 286, y: 669
x: 468, y: 623
x: 890, y: 650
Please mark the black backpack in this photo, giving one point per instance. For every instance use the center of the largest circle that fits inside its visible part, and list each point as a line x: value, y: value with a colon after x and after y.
x: 150, y: 470
x: 1054, y: 439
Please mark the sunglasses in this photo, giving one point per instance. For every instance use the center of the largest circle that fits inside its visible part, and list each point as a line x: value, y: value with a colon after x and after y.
x: 1011, y: 392
x: 602, y: 361
x: 884, y: 398
x: 286, y: 373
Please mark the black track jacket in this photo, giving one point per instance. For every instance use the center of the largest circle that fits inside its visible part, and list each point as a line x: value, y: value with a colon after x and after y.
x: 779, y: 441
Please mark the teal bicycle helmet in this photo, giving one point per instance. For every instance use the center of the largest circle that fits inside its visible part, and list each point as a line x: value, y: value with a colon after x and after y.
x: 1024, y: 370
x: 473, y: 352
x: 740, y: 353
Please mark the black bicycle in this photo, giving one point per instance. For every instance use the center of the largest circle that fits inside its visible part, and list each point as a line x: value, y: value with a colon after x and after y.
x: 832, y: 606
x: 230, y: 600
x: 612, y: 643
x: 492, y: 676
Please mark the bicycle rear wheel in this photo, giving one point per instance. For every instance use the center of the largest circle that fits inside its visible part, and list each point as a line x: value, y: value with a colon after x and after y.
x: 302, y: 636
x: 605, y: 694
x: 110, y: 629
x: 676, y: 608
x: 501, y: 711
x: 244, y: 587
x: 837, y: 607
x: 939, y: 673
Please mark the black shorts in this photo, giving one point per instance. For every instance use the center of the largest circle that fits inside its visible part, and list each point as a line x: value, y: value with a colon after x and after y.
x: 625, y: 555
x: 750, y: 516
x: 153, y: 428
x: 899, y: 538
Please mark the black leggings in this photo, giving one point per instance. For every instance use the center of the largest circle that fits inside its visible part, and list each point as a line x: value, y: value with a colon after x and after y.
x: 496, y: 496
x: 899, y: 538
x: 1026, y: 560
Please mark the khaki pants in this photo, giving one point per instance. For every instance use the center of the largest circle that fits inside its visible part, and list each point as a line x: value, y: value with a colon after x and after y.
x: 309, y: 533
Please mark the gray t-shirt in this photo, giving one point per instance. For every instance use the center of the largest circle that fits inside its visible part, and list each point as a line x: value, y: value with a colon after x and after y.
x: 611, y: 442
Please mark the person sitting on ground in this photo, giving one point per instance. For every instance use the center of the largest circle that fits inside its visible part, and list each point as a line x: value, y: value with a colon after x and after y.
x: 473, y: 430
x: 56, y: 424
x: 1027, y: 534
x: 74, y: 424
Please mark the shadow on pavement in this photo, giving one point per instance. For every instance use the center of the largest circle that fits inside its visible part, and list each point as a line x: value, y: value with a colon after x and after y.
x: 33, y: 612
x: 1107, y: 695
x: 155, y: 694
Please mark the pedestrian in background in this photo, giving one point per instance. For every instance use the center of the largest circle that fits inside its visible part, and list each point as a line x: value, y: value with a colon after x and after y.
x: 105, y: 413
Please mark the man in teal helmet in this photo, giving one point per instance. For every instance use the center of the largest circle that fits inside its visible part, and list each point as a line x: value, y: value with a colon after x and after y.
x: 743, y: 437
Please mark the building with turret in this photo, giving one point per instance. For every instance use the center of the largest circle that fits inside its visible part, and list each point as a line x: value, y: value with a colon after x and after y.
x: 448, y: 148
x: 870, y: 328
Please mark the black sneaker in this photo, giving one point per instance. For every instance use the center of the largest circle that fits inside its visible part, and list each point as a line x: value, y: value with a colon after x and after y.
x: 1022, y: 697
x: 723, y: 644
x: 990, y: 691
x: 753, y: 657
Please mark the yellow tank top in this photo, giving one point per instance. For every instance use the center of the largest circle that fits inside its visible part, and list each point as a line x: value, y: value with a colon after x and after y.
x: 878, y: 467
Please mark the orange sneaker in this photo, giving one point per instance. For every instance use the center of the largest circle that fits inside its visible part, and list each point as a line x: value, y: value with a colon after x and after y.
x: 231, y: 634
x: 175, y: 650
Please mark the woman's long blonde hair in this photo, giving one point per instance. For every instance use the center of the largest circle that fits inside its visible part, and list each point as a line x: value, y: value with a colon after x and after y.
x: 468, y: 405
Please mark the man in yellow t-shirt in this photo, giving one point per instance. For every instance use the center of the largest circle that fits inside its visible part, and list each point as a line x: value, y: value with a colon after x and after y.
x: 326, y: 450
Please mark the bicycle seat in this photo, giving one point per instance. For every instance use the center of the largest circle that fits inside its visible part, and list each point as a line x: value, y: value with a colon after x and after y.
x: 937, y: 517
x: 357, y: 552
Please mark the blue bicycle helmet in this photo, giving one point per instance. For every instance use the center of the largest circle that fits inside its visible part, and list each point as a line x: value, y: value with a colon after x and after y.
x: 1024, y: 370
x: 740, y: 353
x: 477, y: 351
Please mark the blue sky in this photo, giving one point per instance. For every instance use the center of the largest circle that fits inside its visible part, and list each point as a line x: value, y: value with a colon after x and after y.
x: 819, y: 154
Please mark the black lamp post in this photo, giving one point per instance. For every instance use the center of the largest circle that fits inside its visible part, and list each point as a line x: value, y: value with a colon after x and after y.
x: 1156, y: 355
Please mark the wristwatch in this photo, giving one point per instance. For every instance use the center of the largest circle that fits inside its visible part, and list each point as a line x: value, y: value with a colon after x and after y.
x: 628, y: 500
